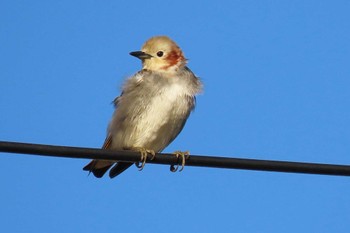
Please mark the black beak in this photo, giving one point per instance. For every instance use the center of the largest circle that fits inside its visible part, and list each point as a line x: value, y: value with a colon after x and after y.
x: 140, y: 55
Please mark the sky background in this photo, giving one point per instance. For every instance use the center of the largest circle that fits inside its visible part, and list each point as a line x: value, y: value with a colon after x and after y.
x: 277, y: 86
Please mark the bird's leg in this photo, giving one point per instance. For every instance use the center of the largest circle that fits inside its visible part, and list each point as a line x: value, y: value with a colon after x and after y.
x: 184, y: 155
x: 144, y: 153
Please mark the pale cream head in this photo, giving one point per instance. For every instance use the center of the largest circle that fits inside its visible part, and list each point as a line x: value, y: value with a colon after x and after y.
x: 160, y: 53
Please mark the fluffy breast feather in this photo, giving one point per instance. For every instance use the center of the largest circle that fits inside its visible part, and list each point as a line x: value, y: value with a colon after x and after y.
x: 153, y: 109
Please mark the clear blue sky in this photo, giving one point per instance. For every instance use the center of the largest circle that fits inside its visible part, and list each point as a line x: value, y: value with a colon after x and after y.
x: 277, y: 86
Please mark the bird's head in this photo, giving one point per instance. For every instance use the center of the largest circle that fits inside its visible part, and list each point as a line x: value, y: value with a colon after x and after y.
x: 160, y: 53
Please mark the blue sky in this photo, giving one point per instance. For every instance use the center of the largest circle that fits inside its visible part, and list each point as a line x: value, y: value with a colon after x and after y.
x: 276, y: 77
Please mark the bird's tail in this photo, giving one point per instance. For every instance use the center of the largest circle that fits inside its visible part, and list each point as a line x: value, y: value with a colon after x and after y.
x: 98, y: 167
x: 119, y: 168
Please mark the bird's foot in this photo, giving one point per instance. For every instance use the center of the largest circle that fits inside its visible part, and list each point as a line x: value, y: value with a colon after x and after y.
x: 144, y: 154
x: 184, y: 155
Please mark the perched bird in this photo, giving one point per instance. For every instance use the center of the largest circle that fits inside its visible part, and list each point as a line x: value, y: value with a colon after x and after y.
x: 153, y: 107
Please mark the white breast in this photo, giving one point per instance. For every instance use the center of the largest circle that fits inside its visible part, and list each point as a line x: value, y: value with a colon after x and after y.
x: 169, y: 107
x: 150, y: 117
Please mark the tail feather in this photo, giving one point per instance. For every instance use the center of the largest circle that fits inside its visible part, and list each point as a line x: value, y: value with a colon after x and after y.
x: 98, y: 167
x: 119, y: 168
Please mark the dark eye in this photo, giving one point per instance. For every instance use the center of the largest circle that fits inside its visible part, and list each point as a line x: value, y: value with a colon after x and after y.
x: 160, y: 53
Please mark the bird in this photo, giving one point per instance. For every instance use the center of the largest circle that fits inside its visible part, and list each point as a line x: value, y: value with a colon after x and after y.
x: 153, y: 107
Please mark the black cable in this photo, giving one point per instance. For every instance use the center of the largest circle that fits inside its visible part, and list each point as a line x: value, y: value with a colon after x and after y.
x: 170, y: 159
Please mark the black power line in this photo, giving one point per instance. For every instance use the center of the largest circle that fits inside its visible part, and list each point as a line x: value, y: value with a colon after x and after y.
x: 170, y: 159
